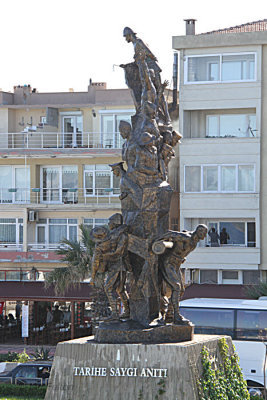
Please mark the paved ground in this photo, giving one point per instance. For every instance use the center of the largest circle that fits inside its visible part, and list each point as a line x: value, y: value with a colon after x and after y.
x: 20, y: 346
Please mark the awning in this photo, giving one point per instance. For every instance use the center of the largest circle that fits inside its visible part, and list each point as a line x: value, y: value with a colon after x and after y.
x: 36, y: 291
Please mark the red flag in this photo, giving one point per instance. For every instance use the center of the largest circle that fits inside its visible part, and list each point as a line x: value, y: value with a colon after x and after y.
x: 1, y: 306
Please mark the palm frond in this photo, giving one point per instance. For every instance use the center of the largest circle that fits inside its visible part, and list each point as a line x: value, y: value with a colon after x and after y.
x: 78, y: 257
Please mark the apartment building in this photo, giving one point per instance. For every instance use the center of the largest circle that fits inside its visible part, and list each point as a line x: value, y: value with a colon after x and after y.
x: 223, y: 119
x: 55, y: 151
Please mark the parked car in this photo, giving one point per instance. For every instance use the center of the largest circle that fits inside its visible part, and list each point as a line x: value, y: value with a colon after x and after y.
x: 34, y: 373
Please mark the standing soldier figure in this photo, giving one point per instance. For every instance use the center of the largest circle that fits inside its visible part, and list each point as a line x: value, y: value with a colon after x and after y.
x: 111, y: 256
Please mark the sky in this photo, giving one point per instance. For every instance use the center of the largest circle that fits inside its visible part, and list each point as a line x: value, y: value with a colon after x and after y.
x: 54, y: 45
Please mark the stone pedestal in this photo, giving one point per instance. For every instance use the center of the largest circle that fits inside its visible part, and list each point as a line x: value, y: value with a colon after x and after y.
x: 84, y: 369
x: 133, y: 332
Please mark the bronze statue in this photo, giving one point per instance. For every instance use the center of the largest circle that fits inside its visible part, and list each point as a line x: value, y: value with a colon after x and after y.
x: 139, y: 240
x: 111, y: 256
x: 176, y: 246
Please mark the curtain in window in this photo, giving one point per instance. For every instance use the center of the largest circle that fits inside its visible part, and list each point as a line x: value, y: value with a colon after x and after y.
x: 245, y: 178
x: 228, y: 178
x: 102, y: 181
x: 5, y: 184
x: 51, y: 183
x: 210, y: 178
x: 192, y: 179
x: 22, y: 184
x: 8, y: 233
x: 73, y: 233
x: 57, y: 233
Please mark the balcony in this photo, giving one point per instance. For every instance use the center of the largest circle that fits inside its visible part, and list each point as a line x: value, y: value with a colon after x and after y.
x: 60, y: 140
x: 225, y: 257
x: 59, y: 196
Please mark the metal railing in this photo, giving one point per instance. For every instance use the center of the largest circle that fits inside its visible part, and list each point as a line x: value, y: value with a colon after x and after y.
x: 60, y: 140
x: 59, y: 195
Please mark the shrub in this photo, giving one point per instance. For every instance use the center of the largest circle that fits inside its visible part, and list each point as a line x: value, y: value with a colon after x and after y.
x: 27, y: 391
x: 225, y: 382
x: 23, y: 357
x: 41, y: 354
x: 9, y: 357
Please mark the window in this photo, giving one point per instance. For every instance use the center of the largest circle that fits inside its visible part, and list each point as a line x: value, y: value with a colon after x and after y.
x: 14, y: 184
x: 208, y: 276
x: 11, y: 230
x: 193, y: 179
x: 251, y: 324
x: 26, y: 372
x: 219, y: 178
x: 232, y: 125
x: 200, y: 69
x: 59, y: 184
x: 231, y: 277
x: 90, y: 223
x: 220, y: 68
x: 110, y: 128
x: 231, y: 233
x: 210, y: 321
x: 54, y: 230
x: 238, y: 67
x: 100, y: 181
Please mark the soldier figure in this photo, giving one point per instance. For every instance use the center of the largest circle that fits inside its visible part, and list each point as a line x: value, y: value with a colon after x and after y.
x: 174, y: 255
x: 111, y: 256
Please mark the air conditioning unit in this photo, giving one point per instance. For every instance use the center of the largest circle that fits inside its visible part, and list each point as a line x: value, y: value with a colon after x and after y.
x: 33, y: 216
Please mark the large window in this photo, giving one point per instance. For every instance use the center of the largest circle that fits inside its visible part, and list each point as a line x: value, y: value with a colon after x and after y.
x: 251, y: 324
x: 14, y: 184
x: 110, y: 128
x: 231, y: 233
x: 90, y: 223
x: 11, y: 231
x: 220, y: 68
x: 59, y: 184
x: 54, y: 230
x: 100, y: 181
x: 211, y: 321
x: 231, y: 125
x: 219, y: 178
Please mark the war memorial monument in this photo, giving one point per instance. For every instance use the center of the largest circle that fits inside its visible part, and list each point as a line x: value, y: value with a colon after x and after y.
x: 138, y: 259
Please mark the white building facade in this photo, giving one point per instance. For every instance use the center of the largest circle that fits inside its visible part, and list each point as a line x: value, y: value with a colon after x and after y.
x: 222, y: 155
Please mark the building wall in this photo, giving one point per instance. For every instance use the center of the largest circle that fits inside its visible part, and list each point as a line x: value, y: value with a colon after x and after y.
x: 197, y: 100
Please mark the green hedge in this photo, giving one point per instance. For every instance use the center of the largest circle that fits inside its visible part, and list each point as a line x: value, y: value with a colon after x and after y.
x: 9, y: 357
x: 22, y: 390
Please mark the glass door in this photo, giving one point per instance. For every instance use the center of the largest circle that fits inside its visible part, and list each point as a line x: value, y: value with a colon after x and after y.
x: 51, y: 184
x: 22, y: 184
x: 72, y: 131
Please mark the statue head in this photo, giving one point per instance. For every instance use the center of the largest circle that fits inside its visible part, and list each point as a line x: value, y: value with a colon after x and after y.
x: 129, y: 34
x: 201, y: 231
x: 99, y: 234
x: 115, y: 220
x: 117, y: 168
x: 125, y: 129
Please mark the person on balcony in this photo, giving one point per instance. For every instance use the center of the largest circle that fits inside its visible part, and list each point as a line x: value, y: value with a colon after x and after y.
x: 214, y: 238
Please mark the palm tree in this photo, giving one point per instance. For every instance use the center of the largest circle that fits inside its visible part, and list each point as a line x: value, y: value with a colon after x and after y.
x: 78, y: 256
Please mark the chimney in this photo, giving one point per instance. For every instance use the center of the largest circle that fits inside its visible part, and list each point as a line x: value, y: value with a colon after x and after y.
x: 190, y: 26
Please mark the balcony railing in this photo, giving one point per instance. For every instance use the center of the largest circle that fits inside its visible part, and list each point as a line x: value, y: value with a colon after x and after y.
x: 60, y: 140
x: 59, y: 196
